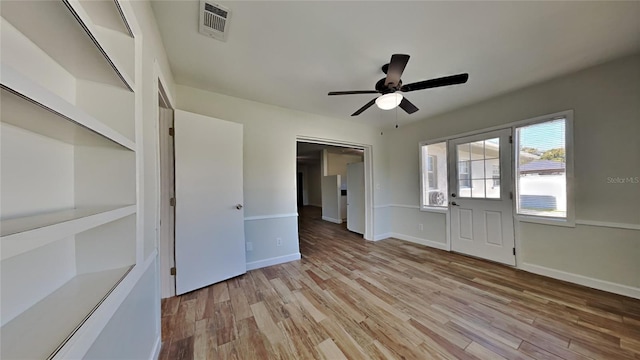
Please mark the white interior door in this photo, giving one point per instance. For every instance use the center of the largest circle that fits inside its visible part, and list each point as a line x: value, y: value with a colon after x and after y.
x: 480, y: 202
x: 209, y: 244
x: 355, y: 197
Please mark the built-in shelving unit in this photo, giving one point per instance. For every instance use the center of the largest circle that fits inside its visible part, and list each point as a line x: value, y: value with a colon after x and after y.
x: 65, y: 309
x: 68, y: 212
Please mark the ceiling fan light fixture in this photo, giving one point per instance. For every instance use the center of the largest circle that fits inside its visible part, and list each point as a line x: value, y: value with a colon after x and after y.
x: 389, y: 101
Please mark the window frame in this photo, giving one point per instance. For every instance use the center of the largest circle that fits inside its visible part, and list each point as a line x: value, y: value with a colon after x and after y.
x: 423, y: 172
x: 569, y: 219
x: 568, y: 115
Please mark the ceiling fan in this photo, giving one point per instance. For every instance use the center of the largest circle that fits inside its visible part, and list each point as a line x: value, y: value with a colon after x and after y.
x: 391, y: 86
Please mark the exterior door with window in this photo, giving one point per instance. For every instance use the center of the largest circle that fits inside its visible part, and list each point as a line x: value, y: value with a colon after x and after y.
x: 480, y: 201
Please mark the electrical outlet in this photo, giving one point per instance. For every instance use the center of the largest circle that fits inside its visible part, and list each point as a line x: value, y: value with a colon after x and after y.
x: 249, y: 246
x: 420, y: 227
x: 278, y: 241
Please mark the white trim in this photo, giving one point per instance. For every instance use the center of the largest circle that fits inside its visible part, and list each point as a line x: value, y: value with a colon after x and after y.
x: 155, y: 352
x: 440, y: 210
x: 417, y: 207
x: 326, y: 218
x: 368, y: 176
x: 608, y: 224
x: 381, y: 206
x: 274, y: 216
x: 416, y: 240
x: 272, y: 261
x: 544, y: 220
x: 382, y: 236
x: 570, y: 218
x: 604, y: 285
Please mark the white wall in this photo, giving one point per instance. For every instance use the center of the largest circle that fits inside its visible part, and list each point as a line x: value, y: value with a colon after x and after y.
x: 270, y: 134
x: 606, y: 105
x: 337, y: 165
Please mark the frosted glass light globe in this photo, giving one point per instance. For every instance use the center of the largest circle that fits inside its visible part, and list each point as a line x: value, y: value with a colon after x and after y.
x: 389, y: 101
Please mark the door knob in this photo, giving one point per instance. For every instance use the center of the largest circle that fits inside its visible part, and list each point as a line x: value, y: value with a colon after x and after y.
x: 453, y: 195
x: 239, y: 206
x: 454, y: 204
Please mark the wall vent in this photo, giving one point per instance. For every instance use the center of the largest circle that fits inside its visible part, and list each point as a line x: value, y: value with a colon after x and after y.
x: 214, y: 20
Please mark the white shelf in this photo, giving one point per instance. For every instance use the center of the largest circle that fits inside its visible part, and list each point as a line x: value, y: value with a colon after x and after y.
x: 23, y: 234
x: 30, y: 106
x: 65, y: 32
x: 44, y: 328
x: 107, y: 13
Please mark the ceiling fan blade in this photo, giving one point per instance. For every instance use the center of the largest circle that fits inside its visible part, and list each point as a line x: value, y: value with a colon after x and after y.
x: 396, y: 67
x: 408, y: 106
x: 368, y: 105
x: 353, y: 92
x: 433, y: 83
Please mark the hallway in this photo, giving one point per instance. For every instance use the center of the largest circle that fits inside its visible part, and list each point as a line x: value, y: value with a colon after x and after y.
x: 351, y: 298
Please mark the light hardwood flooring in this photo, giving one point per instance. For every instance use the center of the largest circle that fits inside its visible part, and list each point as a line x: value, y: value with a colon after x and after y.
x: 354, y: 299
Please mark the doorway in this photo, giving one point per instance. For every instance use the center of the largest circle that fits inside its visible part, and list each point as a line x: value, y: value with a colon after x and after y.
x: 322, y: 169
x: 481, y: 202
x: 166, y: 193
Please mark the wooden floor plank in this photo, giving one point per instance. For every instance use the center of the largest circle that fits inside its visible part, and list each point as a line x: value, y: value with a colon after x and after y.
x: 390, y: 299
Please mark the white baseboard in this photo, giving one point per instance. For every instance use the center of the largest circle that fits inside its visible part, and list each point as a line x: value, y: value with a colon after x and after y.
x: 155, y: 352
x: 382, y: 236
x: 413, y: 239
x: 337, y: 221
x: 582, y: 280
x: 272, y: 261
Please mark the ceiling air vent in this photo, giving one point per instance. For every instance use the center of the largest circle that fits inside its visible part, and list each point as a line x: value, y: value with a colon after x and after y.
x: 214, y: 20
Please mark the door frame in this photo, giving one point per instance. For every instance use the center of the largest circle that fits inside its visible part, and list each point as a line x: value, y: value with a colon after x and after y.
x: 517, y: 219
x: 166, y: 253
x: 368, y: 175
x: 506, y: 164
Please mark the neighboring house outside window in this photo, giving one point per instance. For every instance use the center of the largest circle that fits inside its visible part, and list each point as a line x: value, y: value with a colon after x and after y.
x: 433, y: 171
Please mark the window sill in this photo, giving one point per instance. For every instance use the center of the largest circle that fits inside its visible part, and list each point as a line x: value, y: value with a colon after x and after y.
x: 565, y: 222
x: 440, y: 210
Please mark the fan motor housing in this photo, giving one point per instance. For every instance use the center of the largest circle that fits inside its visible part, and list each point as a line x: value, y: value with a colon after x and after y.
x: 384, y: 89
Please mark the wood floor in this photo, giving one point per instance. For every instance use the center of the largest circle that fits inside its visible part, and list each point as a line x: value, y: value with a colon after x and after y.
x: 349, y: 298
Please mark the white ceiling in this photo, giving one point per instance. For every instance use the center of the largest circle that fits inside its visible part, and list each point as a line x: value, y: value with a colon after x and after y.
x: 291, y: 54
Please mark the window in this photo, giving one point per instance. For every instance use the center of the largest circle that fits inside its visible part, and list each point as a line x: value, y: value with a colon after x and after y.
x: 541, y: 161
x: 479, y: 169
x: 464, y: 176
x: 433, y: 160
x: 432, y: 172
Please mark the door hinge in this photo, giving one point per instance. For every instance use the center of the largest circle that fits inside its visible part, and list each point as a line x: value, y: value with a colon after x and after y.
x: 172, y: 201
x: 510, y: 139
x: 510, y: 194
x: 171, y: 131
x: 514, y: 252
x: 173, y: 271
